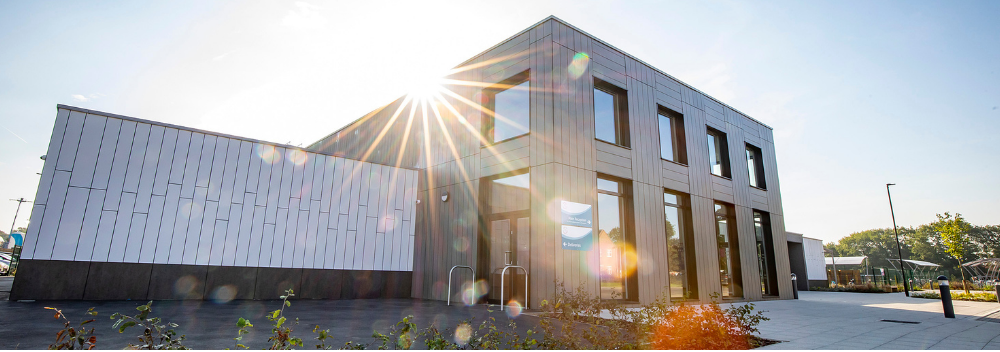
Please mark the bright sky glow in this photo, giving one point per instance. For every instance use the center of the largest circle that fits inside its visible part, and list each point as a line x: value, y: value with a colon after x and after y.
x: 859, y: 93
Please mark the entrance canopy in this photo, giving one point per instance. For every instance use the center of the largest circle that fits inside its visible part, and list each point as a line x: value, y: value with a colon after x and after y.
x: 845, y: 260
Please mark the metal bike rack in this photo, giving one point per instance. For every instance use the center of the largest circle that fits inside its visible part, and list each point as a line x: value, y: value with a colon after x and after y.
x: 449, y: 278
x: 503, y: 275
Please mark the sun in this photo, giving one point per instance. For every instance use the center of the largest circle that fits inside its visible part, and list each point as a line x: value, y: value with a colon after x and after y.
x: 425, y: 88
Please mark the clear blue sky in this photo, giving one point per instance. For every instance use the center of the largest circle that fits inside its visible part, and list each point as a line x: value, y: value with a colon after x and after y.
x: 858, y: 93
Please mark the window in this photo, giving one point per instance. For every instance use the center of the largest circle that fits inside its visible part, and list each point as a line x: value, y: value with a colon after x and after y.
x: 680, y: 248
x: 672, y: 136
x: 729, y: 252
x: 765, y: 253
x: 718, y: 153
x: 509, y: 102
x: 614, y: 236
x: 510, y: 193
x: 610, y: 114
x: 756, y: 166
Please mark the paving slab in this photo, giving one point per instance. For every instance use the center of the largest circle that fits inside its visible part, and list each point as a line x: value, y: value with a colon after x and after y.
x: 842, y: 320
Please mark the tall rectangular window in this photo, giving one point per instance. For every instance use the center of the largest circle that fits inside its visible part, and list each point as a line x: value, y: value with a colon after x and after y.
x: 718, y: 153
x: 610, y: 114
x: 729, y: 252
x: 615, y: 238
x: 671, y: 125
x: 755, y: 165
x: 508, y: 106
x: 680, y: 248
x: 765, y: 253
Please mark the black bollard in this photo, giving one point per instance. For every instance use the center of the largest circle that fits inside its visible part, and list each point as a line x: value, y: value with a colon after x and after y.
x: 949, y: 310
x: 997, y: 287
x: 795, y: 286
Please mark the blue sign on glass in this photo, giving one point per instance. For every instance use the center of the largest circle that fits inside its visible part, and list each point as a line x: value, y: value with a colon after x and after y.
x: 577, y: 214
x: 577, y: 238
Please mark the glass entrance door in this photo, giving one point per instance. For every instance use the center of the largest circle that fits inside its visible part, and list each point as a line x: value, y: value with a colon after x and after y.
x: 509, y: 245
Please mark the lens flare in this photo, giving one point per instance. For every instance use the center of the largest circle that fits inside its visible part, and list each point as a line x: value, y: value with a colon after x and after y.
x: 579, y: 65
x: 184, y: 286
x: 267, y: 154
x: 462, y: 334
x: 297, y: 157
x: 224, y: 294
x: 461, y: 244
x: 513, y: 309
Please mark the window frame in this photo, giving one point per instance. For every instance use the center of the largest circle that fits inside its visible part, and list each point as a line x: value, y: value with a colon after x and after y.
x: 677, y: 137
x: 766, y: 236
x: 733, y: 243
x: 757, y: 174
x: 686, y: 236
x: 722, y: 149
x: 488, y: 121
x: 627, y: 222
x: 621, y: 118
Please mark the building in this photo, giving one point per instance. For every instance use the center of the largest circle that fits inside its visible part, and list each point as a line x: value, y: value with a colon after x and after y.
x: 523, y: 154
x: 806, y: 258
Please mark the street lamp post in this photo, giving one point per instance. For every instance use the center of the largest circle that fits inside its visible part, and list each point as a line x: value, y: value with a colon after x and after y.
x: 899, y: 247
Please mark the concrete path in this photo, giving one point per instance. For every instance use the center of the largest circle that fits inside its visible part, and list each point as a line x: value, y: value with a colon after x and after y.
x: 840, y: 320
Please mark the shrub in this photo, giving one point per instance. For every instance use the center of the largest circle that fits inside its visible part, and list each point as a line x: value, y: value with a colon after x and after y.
x: 960, y: 296
x: 281, y: 335
x: 579, y: 321
x: 70, y: 338
x: 866, y: 288
x: 155, y: 336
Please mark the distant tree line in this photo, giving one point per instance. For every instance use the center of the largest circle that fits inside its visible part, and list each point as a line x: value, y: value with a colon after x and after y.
x: 947, y: 242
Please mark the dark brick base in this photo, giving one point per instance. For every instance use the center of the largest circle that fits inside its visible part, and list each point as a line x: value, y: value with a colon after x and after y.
x: 66, y: 280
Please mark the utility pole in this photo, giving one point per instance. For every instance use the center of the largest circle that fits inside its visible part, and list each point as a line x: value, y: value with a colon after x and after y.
x: 899, y: 247
x: 19, y: 202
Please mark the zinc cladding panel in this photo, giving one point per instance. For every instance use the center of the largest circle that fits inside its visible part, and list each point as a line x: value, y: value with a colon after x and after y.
x: 218, y: 167
x: 274, y: 187
x: 34, y: 225
x: 88, y: 231
x: 106, y: 154
x: 48, y: 168
x: 782, y: 267
x: 119, y: 166
x: 136, y: 157
x: 228, y: 182
x: 70, y: 224
x: 53, y: 214
x: 165, y: 237
x: 151, y: 232
x: 280, y: 240
x: 150, y: 166
x: 70, y: 141
x: 165, y: 162
x: 87, y: 153
x: 194, y: 155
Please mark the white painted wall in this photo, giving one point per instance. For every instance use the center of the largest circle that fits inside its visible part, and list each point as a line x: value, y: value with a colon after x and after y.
x: 815, y: 263
x: 117, y: 189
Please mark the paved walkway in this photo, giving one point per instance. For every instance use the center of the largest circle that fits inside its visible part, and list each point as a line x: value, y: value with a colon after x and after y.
x: 840, y: 320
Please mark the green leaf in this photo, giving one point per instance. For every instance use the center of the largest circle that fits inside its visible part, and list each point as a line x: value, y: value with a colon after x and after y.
x: 127, y: 324
x: 280, y: 322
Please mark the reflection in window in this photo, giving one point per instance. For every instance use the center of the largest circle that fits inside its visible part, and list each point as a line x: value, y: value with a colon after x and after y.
x: 672, y: 136
x: 512, y: 110
x: 756, y: 167
x: 718, y: 153
x: 610, y: 114
x: 604, y: 114
x: 679, y: 250
x: 729, y: 253
x: 612, y: 238
x: 510, y: 194
x: 765, y: 253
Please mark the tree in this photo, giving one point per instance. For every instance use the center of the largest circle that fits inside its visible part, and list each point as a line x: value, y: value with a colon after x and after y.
x: 986, y: 240
x: 954, y: 232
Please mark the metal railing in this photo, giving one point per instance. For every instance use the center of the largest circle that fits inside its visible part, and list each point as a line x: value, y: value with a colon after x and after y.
x: 503, y: 275
x: 452, y: 271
